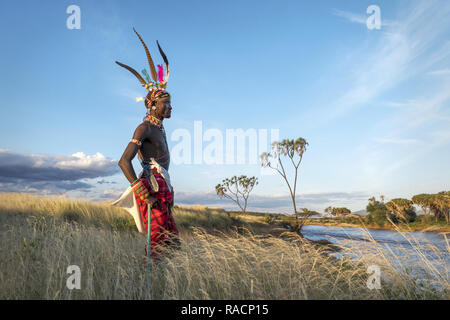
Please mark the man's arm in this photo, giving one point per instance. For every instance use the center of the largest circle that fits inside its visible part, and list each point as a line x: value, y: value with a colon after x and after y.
x: 130, y: 152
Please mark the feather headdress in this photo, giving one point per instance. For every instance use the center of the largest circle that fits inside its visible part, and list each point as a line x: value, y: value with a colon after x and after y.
x: 160, y: 78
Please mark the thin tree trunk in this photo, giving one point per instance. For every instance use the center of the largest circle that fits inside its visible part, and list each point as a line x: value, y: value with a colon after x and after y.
x: 283, y: 174
x: 293, y: 203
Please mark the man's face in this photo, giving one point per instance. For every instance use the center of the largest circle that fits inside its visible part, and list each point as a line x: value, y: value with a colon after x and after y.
x: 163, y: 108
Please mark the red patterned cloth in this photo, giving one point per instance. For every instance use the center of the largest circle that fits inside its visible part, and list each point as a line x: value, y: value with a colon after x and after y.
x: 163, y: 228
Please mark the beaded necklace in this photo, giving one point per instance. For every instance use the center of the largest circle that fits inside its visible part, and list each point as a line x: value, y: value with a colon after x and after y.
x: 157, y: 123
x: 154, y: 121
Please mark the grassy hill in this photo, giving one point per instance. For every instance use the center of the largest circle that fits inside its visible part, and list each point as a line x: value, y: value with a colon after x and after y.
x: 221, y: 257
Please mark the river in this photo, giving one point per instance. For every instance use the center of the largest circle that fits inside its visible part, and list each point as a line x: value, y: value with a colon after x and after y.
x: 415, y: 251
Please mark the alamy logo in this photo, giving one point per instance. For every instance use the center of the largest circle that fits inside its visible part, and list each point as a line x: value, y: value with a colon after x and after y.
x: 212, y: 146
x: 374, y: 280
x: 74, y: 281
x: 74, y: 20
x: 373, y: 21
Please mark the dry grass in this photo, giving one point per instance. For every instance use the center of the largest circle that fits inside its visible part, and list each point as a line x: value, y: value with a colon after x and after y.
x: 41, y: 237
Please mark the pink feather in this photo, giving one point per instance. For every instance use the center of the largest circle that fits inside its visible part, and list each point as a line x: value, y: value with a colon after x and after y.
x: 160, y: 73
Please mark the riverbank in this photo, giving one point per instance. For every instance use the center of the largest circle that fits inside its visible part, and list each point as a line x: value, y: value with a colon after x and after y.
x: 406, y: 228
x: 280, y: 220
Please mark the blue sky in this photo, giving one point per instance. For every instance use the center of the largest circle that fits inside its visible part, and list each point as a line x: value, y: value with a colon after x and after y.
x: 373, y: 104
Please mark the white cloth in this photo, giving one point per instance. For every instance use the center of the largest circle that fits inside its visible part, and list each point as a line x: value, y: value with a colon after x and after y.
x: 162, y: 171
x: 128, y: 201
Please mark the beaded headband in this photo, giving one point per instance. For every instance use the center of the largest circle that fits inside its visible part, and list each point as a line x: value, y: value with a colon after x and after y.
x: 154, y: 95
x: 160, y: 79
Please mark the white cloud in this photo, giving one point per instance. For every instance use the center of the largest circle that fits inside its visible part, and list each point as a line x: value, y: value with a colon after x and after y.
x: 408, y: 49
x: 406, y: 104
x: 40, y: 173
x: 361, y: 18
x: 397, y: 141
x: 43, y: 187
x: 80, y: 160
x: 279, y: 202
x: 425, y: 118
x: 440, y: 72
x: 112, y: 193
x: 418, y: 124
x: 352, y: 17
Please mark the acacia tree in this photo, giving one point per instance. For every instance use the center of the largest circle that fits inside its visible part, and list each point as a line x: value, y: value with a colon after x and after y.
x: 376, y: 205
x: 299, y: 223
x: 442, y: 202
x: 437, y: 204
x: 293, y: 150
x: 424, y: 200
x: 434, y: 207
x: 402, y: 209
x: 338, y: 212
x: 237, y: 189
x: 307, y: 213
x: 377, y: 211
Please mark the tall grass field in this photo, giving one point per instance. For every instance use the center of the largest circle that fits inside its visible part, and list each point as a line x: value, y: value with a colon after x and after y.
x: 220, y: 257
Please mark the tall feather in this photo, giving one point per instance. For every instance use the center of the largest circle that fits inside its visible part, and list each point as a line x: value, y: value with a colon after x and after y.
x: 132, y: 71
x: 166, y: 77
x: 160, y: 73
x: 147, y: 77
x: 149, y: 58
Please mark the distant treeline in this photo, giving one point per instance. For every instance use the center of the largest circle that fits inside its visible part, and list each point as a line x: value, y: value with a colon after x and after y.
x: 435, y: 207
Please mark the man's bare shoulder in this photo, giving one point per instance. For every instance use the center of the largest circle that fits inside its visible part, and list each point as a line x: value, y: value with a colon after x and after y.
x: 144, y: 125
x: 143, y: 130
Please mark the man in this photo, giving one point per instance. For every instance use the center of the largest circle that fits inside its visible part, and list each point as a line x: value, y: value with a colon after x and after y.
x: 152, y: 187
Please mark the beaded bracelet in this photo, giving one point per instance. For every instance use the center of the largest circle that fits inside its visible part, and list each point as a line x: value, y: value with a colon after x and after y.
x: 140, y: 190
x: 139, y: 143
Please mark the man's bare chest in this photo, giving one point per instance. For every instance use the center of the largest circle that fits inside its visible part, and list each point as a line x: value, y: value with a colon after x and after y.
x: 154, y: 144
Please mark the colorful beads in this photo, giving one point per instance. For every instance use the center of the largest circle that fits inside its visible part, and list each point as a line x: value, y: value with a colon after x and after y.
x: 156, y: 91
x: 139, y: 143
x: 153, y: 120
x: 155, y: 86
x: 144, y: 196
x: 140, y: 190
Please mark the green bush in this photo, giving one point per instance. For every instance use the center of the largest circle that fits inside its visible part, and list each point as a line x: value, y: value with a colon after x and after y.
x: 269, y: 219
x: 378, y: 217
